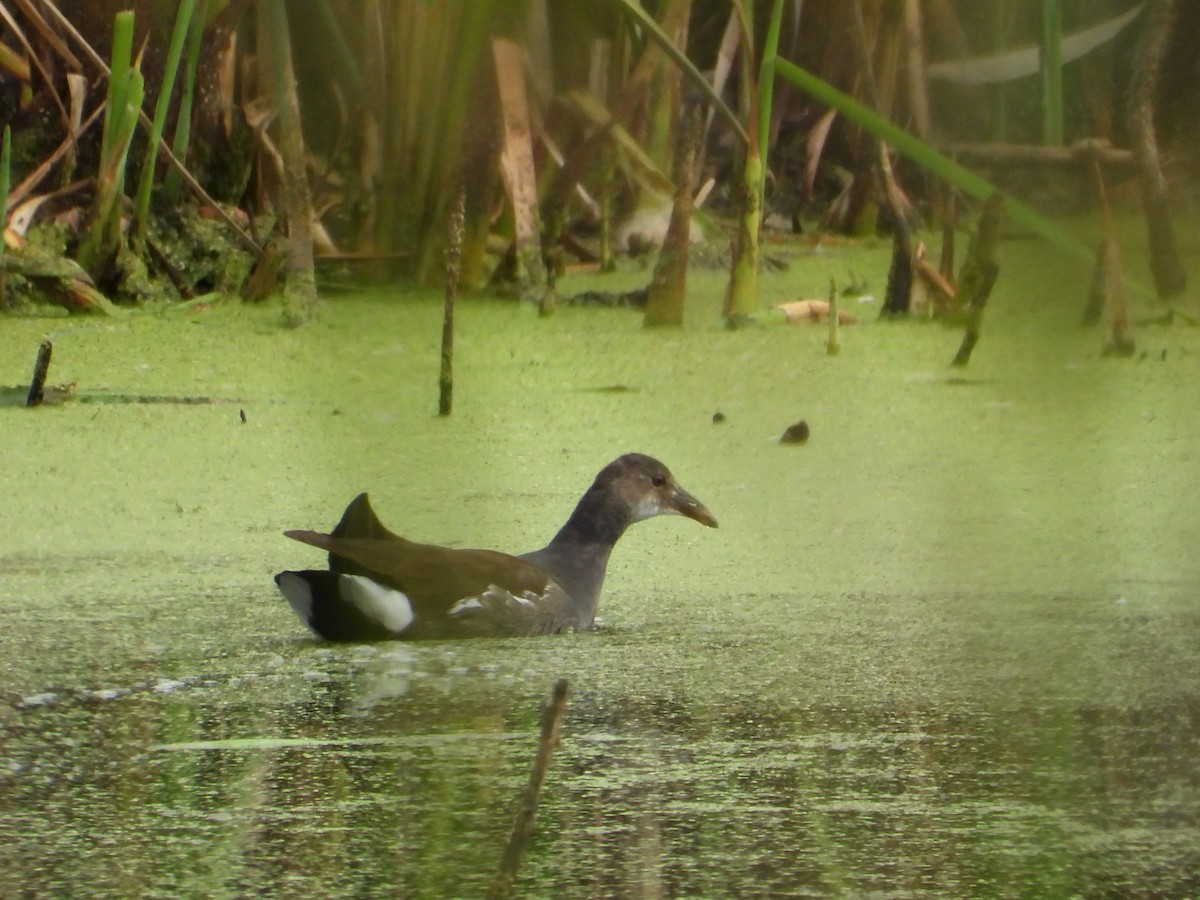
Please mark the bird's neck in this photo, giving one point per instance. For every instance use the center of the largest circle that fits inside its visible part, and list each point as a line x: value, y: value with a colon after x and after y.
x: 595, y: 521
x: 577, y: 557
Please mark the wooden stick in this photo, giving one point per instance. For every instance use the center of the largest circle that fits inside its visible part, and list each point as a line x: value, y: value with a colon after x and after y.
x: 522, y: 828
x: 40, y: 370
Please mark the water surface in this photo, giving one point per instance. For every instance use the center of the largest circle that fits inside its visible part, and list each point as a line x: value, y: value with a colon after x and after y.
x: 949, y: 647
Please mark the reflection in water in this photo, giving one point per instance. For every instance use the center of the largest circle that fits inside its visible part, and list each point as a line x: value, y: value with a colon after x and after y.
x: 400, y: 766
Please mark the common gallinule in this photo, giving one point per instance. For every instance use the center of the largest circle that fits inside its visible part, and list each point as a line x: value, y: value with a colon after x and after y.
x: 380, y: 585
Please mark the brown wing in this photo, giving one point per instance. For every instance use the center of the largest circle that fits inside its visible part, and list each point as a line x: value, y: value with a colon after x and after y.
x: 434, y: 578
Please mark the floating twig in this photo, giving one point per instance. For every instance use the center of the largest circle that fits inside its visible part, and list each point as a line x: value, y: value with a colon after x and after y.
x: 522, y: 828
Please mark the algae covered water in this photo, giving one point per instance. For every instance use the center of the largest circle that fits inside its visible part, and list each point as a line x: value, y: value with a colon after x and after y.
x: 949, y: 646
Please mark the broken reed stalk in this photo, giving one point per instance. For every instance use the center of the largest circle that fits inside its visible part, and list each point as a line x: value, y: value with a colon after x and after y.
x: 949, y: 216
x: 454, y: 245
x: 5, y: 177
x: 1170, y: 277
x: 522, y: 828
x: 1094, y: 307
x: 1105, y: 255
x: 898, y: 296
x: 668, y: 286
x: 833, y: 344
x: 978, y: 274
x: 1118, y: 331
x: 517, y: 167
x: 607, y: 189
x: 299, y: 271
x: 1107, y: 295
x: 553, y: 257
x: 980, y: 287
x: 40, y: 369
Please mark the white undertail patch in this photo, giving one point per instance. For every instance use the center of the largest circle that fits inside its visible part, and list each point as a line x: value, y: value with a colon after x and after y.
x: 390, y: 608
x: 298, y: 593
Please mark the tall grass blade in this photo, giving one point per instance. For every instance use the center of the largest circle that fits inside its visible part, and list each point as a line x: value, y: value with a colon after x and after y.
x: 141, y: 213
x: 101, y: 240
x: 172, y: 184
x: 766, y: 76
x: 121, y: 60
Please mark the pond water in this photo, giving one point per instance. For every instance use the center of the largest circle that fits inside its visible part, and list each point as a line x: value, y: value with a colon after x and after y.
x: 948, y: 647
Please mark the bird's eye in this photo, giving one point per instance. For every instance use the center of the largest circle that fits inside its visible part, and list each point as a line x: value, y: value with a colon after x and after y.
x: 658, y: 480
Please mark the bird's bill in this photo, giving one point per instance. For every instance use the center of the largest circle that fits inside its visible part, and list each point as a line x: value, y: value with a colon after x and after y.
x: 685, y: 504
